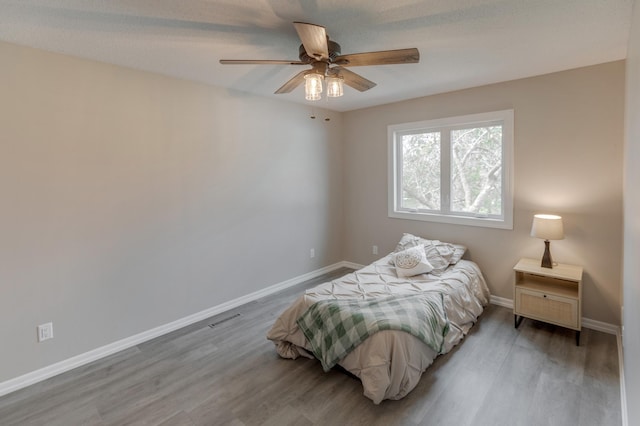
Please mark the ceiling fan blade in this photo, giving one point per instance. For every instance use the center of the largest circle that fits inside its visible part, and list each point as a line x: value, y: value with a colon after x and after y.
x: 354, y: 80
x: 383, y: 57
x: 294, y: 82
x: 260, y: 62
x: 314, y: 39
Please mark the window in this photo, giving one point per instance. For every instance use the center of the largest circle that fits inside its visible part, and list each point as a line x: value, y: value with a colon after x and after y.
x: 453, y: 170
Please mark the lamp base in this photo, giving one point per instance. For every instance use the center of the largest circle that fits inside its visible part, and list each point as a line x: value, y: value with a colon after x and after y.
x: 546, y: 257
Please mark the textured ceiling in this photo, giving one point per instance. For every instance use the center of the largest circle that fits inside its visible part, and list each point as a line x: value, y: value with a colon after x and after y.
x: 462, y: 43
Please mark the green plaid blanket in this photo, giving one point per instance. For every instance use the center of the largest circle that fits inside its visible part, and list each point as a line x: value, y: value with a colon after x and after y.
x: 335, y: 327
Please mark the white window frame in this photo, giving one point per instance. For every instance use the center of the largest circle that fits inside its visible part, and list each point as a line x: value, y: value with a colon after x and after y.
x: 444, y: 125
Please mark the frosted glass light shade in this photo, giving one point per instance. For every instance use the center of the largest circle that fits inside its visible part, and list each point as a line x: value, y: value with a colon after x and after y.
x: 547, y: 227
x: 334, y: 87
x: 312, y: 86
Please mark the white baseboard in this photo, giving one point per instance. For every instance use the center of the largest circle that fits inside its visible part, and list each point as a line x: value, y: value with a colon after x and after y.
x: 586, y: 322
x: 501, y: 301
x: 623, y: 387
x: 605, y: 327
x: 41, y: 374
x: 352, y: 265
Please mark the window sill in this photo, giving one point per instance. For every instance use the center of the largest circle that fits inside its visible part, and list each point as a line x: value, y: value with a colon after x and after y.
x: 483, y: 222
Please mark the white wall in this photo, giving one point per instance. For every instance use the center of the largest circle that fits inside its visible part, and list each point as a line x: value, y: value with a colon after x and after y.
x: 631, y: 320
x: 568, y: 156
x: 130, y: 200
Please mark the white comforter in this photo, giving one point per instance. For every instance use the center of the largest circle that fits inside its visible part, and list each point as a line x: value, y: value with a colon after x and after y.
x: 389, y: 363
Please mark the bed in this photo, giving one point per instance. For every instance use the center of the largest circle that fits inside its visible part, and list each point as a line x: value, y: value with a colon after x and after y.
x: 389, y: 362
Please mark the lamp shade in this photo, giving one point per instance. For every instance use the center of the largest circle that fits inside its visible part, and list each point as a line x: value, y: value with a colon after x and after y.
x: 312, y: 86
x: 334, y: 87
x: 547, y: 227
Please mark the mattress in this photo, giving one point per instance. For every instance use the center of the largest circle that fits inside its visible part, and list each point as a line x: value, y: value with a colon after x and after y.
x: 389, y: 363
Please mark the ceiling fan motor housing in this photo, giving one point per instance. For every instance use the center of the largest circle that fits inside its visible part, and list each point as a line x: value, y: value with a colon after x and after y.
x: 333, y: 48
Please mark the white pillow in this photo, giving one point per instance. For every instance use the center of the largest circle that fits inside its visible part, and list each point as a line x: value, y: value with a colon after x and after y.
x: 438, y: 256
x: 412, y: 261
x: 452, y: 253
x: 458, y: 252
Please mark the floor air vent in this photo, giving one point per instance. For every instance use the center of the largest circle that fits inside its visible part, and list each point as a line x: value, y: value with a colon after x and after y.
x: 223, y: 320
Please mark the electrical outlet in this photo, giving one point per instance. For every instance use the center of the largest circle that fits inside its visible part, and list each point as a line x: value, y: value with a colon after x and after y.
x: 312, y: 253
x: 375, y: 250
x: 45, y: 332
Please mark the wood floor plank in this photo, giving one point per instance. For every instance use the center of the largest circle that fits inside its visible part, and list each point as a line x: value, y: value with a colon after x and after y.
x: 179, y: 419
x: 461, y: 400
x: 599, y: 403
x: 230, y: 374
x: 555, y: 402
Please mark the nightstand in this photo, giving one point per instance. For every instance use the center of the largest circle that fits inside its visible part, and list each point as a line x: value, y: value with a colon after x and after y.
x: 552, y: 295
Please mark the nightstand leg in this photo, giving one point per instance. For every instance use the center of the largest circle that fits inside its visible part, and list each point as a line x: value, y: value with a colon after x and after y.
x: 577, y: 338
x: 517, y: 321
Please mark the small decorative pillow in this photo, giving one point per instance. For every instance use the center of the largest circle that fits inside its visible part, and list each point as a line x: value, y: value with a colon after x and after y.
x: 412, y: 261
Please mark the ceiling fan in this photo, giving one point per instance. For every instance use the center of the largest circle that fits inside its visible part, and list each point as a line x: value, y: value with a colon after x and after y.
x: 326, y: 61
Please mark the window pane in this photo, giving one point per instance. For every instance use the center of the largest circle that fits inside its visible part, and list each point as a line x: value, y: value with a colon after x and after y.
x: 420, y: 171
x: 476, y: 170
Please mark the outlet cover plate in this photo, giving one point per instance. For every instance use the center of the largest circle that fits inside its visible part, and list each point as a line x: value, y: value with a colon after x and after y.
x: 45, y: 332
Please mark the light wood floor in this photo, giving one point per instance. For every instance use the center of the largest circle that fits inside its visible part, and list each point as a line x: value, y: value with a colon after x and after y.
x: 231, y: 375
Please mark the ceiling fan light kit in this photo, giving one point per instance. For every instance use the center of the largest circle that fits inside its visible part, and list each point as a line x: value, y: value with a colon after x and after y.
x: 327, y: 62
x: 334, y: 87
x: 313, y: 86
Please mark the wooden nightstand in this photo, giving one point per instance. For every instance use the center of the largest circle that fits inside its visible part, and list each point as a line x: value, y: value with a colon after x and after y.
x: 550, y: 295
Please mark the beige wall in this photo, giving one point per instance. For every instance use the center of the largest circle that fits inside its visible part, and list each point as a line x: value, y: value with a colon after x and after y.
x: 568, y: 157
x: 631, y: 320
x: 130, y: 200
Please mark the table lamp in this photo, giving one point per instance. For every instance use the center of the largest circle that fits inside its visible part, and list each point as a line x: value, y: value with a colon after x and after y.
x: 547, y: 227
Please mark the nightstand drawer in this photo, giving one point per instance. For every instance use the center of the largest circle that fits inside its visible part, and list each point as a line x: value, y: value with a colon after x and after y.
x: 547, y: 307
